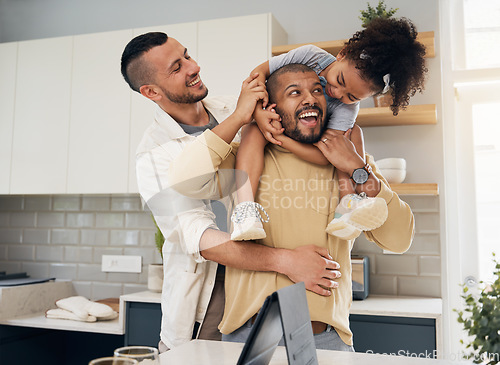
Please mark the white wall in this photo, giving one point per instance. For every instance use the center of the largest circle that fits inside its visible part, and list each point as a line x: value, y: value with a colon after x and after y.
x: 314, y: 20
x: 304, y: 22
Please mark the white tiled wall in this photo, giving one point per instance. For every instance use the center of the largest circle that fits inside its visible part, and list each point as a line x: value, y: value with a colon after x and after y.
x: 417, y: 271
x: 65, y: 236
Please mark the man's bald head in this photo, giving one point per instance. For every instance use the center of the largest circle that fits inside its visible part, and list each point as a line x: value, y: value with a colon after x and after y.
x: 273, y: 82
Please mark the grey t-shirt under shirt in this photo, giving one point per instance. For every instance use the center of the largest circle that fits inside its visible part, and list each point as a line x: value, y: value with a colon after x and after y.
x: 197, y: 130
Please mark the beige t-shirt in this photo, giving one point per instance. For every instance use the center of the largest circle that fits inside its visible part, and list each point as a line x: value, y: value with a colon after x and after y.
x: 301, y: 198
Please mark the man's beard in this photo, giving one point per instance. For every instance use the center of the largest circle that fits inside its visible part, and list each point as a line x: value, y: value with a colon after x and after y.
x: 187, y: 98
x: 291, y: 125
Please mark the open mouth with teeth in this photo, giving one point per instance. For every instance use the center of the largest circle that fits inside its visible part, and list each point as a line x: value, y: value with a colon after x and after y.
x: 309, y: 117
x: 195, y: 81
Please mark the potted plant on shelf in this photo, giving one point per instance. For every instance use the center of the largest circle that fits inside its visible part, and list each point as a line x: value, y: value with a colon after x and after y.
x: 155, y: 271
x: 380, y: 11
x: 481, y: 321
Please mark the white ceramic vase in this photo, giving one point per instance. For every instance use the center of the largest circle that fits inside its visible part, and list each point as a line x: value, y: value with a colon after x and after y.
x: 155, y: 277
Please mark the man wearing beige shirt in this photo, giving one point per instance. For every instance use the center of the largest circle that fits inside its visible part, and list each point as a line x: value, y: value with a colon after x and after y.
x: 301, y: 198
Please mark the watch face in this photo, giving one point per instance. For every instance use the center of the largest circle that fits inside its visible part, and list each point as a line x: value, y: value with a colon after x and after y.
x: 360, y: 176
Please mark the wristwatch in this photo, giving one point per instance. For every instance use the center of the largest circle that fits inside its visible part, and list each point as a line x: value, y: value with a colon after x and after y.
x: 360, y: 175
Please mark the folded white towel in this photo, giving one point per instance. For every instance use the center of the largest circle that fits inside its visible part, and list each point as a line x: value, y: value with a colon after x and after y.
x: 76, y: 305
x: 108, y: 318
x: 82, y: 307
x: 64, y: 314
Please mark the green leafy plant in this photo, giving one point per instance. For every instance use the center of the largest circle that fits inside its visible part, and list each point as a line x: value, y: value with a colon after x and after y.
x: 380, y: 11
x: 159, y: 239
x: 481, y: 320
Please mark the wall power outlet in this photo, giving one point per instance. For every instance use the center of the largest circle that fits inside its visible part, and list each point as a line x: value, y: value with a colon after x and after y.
x: 121, y: 263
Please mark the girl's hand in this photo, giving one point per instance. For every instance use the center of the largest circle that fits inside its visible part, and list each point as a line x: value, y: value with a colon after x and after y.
x: 340, y: 151
x: 269, y: 122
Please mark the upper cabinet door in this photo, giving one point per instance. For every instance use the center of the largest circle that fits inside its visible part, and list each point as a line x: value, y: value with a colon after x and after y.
x: 40, y: 139
x: 229, y: 49
x: 142, y: 109
x: 100, y: 115
x: 8, y: 62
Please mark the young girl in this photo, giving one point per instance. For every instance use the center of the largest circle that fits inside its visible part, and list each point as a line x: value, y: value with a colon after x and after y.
x: 384, y: 57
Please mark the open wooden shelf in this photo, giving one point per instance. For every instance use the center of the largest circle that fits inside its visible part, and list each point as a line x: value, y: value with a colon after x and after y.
x: 382, y: 116
x: 334, y: 47
x: 415, y: 189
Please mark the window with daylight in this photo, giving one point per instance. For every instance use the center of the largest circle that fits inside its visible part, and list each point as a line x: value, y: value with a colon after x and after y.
x: 476, y: 76
x: 486, y: 126
x: 482, y: 33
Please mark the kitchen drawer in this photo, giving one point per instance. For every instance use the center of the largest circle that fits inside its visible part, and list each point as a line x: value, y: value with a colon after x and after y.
x: 14, y: 341
x: 394, y: 335
x: 26, y: 345
x: 143, y: 324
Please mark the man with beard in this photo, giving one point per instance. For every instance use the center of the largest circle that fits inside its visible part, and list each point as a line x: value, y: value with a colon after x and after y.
x: 302, y: 197
x: 160, y: 68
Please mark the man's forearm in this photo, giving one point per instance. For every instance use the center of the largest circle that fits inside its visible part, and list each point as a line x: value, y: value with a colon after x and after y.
x: 228, y: 128
x: 262, y: 70
x: 217, y: 246
x: 309, y: 263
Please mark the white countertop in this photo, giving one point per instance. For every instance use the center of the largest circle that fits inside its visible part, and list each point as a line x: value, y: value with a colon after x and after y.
x: 376, y: 305
x: 25, y: 306
x: 379, y: 305
x: 38, y: 320
x: 201, y: 352
x: 142, y: 297
x: 373, y: 305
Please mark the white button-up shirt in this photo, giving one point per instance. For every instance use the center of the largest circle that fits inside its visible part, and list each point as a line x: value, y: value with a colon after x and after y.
x: 188, y: 277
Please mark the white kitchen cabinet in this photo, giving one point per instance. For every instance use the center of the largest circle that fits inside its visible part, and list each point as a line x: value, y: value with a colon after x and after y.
x: 42, y: 109
x: 100, y: 115
x: 76, y: 122
x: 229, y: 49
x: 142, y: 109
x: 8, y: 63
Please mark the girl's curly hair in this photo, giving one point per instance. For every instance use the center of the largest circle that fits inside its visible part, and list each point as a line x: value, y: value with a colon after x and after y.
x: 389, y: 46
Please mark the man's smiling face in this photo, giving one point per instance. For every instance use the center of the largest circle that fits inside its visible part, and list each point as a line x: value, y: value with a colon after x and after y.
x: 177, y: 74
x: 301, y: 104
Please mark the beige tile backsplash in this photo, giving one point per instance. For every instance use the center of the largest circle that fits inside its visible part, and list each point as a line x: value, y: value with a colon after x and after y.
x: 417, y: 271
x: 65, y: 236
